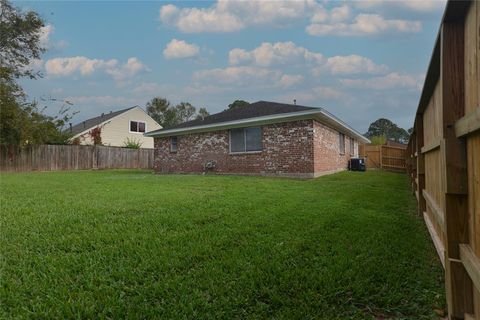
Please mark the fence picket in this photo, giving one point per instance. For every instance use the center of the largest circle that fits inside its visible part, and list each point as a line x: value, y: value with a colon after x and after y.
x: 72, y: 157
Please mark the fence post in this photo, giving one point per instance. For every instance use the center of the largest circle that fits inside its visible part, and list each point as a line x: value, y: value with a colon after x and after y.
x: 422, y: 205
x: 458, y: 284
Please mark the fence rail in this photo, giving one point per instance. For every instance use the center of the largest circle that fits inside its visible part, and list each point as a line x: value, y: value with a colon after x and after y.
x: 384, y: 157
x: 72, y: 157
x: 443, y: 155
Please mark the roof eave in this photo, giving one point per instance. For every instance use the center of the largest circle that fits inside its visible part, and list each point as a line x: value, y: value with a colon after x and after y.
x: 317, y: 114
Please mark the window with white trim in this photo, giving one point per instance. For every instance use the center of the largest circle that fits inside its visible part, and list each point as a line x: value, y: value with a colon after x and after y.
x: 173, y: 144
x: 341, y: 138
x: 352, y: 146
x: 137, y: 126
x: 246, y: 139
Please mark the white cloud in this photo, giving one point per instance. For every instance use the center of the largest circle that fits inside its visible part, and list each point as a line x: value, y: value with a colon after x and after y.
x: 45, y: 38
x: 44, y: 35
x: 364, y: 24
x: 287, y: 53
x: 178, y: 49
x: 238, y: 75
x: 247, y: 76
x: 127, y: 70
x: 288, y: 80
x: 315, y: 96
x: 85, y: 66
x: 353, y: 64
x: 341, y: 13
x: 389, y: 81
x: 69, y: 66
x: 104, y: 101
x: 268, y: 54
x: 231, y: 15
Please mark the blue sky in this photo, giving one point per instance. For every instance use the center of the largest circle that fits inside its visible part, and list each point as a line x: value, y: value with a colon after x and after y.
x: 360, y: 60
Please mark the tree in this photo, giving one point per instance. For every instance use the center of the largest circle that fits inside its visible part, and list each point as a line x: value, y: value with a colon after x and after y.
x: 378, y: 140
x: 385, y: 127
x: 161, y: 110
x: 20, y: 41
x: 156, y: 109
x: 237, y: 104
x: 23, y: 122
x: 202, y: 113
x: 185, y: 112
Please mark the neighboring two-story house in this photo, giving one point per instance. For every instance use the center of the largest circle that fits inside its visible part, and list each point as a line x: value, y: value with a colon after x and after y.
x: 117, y: 128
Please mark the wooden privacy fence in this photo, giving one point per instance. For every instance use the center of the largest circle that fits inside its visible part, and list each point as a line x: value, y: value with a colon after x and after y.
x: 73, y: 157
x: 384, y: 157
x: 444, y: 155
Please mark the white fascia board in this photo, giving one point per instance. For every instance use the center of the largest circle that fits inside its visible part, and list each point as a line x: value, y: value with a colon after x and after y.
x: 342, y: 127
x: 249, y: 122
x: 236, y: 123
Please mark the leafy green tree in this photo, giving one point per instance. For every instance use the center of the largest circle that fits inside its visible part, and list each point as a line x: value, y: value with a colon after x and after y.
x: 161, y: 110
x: 19, y: 40
x: 385, y: 127
x: 185, y: 112
x: 23, y: 122
x: 378, y: 140
x: 156, y: 108
x: 202, y: 113
x: 237, y: 104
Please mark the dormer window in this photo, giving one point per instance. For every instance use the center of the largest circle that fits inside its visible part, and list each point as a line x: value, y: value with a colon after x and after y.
x: 137, y: 126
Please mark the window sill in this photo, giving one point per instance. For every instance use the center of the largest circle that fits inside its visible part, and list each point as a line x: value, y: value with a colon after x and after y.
x: 244, y: 152
x: 137, y: 132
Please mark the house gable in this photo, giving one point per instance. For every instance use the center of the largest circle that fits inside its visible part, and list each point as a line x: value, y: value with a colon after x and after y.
x: 116, y: 129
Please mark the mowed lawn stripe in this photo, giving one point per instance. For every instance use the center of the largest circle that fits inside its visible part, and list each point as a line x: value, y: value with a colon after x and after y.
x: 131, y: 244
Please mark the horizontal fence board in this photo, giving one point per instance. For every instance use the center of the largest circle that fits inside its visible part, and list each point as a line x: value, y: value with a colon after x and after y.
x: 385, y: 157
x: 72, y: 157
x: 438, y: 213
x: 432, y: 146
x: 468, y: 124
x: 435, y: 238
x: 471, y: 263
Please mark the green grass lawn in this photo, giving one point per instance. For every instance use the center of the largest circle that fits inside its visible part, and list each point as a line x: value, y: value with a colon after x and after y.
x: 131, y: 244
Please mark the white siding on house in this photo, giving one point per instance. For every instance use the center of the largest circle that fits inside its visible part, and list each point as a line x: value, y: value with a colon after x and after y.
x: 116, y: 130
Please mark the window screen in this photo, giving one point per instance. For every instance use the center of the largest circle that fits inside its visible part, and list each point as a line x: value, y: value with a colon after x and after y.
x: 253, y: 139
x: 341, y: 138
x: 246, y: 139
x: 133, y: 126
x: 237, y: 140
x: 352, y: 146
x: 173, y: 144
x: 141, y: 127
x: 137, y: 126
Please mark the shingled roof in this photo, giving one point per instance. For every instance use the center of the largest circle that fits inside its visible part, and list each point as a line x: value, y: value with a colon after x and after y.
x: 93, y: 122
x: 256, y: 109
x: 258, y: 113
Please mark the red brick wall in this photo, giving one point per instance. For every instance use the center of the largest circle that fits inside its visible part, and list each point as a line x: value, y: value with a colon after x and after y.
x: 300, y: 148
x: 327, y: 150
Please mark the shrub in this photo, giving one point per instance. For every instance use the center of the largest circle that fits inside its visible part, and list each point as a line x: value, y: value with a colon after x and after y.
x: 132, y: 143
x: 378, y: 139
x: 96, y: 134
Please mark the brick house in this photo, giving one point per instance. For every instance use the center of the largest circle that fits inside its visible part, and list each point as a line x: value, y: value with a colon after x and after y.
x: 263, y: 138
